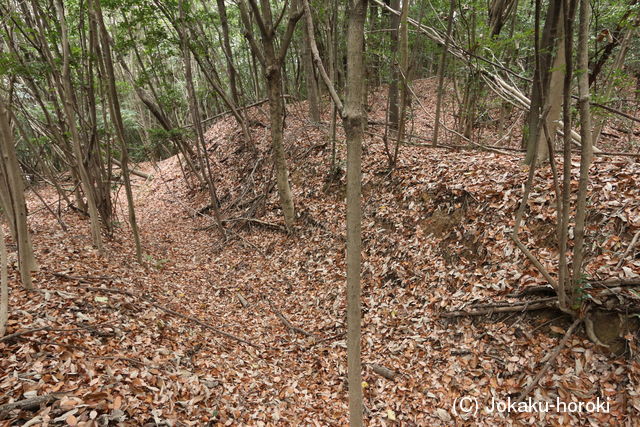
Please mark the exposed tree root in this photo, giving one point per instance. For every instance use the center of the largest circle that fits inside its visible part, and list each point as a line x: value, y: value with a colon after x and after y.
x: 548, y: 360
x: 588, y: 327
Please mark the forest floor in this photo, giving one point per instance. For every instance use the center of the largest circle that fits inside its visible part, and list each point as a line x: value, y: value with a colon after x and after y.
x: 115, y: 345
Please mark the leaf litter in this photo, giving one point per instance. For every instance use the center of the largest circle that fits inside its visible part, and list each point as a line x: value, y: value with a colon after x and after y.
x: 111, y: 349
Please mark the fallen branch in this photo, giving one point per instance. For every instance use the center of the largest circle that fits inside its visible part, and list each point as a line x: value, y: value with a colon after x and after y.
x: 616, y: 282
x: 382, y: 371
x: 286, y: 321
x: 511, y: 303
x: 83, y: 278
x: 50, y: 329
x: 133, y: 171
x: 257, y: 221
x: 30, y: 403
x: 126, y: 359
x: 532, y: 290
x: 25, y: 332
x: 173, y: 312
x: 520, y: 307
x: 549, y: 360
x: 629, y: 248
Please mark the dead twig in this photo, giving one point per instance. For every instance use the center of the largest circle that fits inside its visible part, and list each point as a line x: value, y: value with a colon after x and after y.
x: 629, y: 249
x: 25, y: 332
x: 257, y: 221
x: 503, y: 309
x: 286, y: 321
x: 173, y: 313
x: 548, y: 361
x: 83, y: 278
x: 30, y: 403
x: 510, y: 303
x: 126, y: 359
x: 382, y: 371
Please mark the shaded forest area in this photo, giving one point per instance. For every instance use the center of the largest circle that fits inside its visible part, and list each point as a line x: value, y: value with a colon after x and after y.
x: 253, y: 212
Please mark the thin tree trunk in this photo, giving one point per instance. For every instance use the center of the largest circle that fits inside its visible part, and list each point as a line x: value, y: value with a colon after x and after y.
x: 116, y: 116
x: 4, y: 285
x: 394, y: 109
x: 333, y: 51
x: 231, y: 69
x: 586, y: 152
x: 542, y: 78
x: 203, y: 157
x: 403, y: 68
x: 354, y: 118
x: 12, y: 199
x: 272, y: 61
x: 312, y: 84
x: 441, y: 67
x: 610, y: 82
x: 563, y: 220
x: 67, y: 95
x: 276, y: 111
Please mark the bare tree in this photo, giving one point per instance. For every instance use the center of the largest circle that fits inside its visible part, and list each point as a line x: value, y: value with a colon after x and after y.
x: 310, y: 78
x: 354, y: 119
x: 547, y: 80
x: 116, y: 117
x: 12, y: 199
x: 66, y: 93
x: 393, y: 109
x: 271, y: 57
x: 441, y: 67
x: 586, y: 151
x: 4, y: 285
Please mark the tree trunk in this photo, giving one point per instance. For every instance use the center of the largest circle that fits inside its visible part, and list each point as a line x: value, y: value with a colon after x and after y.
x: 610, y: 81
x: 12, y: 199
x: 354, y: 118
x: 394, y: 109
x: 565, y: 204
x: 403, y: 65
x: 441, y: 66
x: 67, y: 95
x: 116, y: 116
x: 542, y: 79
x: 231, y: 70
x: 310, y: 78
x: 555, y: 102
x: 586, y: 152
x: 201, y: 146
x: 276, y: 112
x: 272, y: 61
x: 4, y: 285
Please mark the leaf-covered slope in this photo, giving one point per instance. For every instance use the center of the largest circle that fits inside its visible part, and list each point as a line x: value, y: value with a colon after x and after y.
x: 435, y: 237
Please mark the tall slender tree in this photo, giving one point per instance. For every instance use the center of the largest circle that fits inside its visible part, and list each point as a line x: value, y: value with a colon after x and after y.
x: 12, y: 199
x: 66, y: 93
x: 271, y: 57
x: 354, y: 119
x: 116, y: 117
